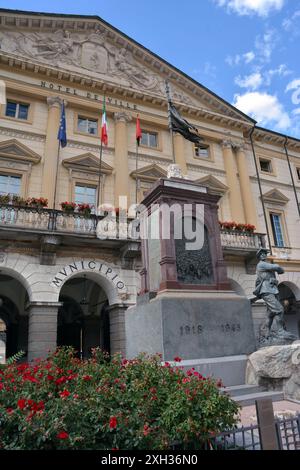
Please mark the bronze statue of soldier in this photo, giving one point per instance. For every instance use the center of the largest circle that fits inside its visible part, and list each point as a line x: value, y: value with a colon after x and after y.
x: 266, y: 288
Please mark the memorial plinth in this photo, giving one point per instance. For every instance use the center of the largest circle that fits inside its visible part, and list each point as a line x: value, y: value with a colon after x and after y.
x: 186, y: 306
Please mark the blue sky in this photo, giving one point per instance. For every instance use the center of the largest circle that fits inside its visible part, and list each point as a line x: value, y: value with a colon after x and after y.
x: 246, y: 51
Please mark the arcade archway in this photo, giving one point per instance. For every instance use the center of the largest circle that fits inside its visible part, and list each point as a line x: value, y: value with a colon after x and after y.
x: 13, y: 316
x: 287, y: 296
x: 83, y: 320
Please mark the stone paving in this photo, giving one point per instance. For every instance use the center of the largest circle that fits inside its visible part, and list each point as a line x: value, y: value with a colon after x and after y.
x: 282, y: 409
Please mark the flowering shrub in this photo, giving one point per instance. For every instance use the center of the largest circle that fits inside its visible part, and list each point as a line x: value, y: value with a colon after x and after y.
x: 236, y: 226
x: 65, y: 403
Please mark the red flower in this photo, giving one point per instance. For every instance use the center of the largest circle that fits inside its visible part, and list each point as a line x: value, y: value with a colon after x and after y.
x: 146, y: 430
x: 1, y: 386
x: 22, y: 403
x: 9, y: 410
x: 61, y: 380
x: 62, y: 435
x: 87, y: 378
x: 113, y: 422
x: 177, y: 359
x: 64, y: 393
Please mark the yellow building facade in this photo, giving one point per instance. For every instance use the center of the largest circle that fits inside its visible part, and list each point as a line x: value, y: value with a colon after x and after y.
x: 51, y: 263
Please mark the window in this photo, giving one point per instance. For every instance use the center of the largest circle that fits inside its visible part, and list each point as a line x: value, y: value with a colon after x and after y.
x: 149, y: 139
x: 85, y: 194
x: 87, y: 125
x: 202, y: 151
x: 298, y: 173
x: 10, y: 185
x: 265, y: 165
x: 16, y: 110
x: 276, y: 224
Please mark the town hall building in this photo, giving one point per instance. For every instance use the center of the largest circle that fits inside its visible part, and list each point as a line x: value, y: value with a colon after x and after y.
x: 60, y: 284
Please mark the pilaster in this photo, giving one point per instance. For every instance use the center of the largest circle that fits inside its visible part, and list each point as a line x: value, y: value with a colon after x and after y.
x: 245, y: 185
x: 236, y: 206
x: 179, y: 144
x: 121, y: 157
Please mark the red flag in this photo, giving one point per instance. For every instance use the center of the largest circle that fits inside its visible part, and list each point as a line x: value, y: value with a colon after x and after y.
x: 104, y: 129
x: 138, y: 130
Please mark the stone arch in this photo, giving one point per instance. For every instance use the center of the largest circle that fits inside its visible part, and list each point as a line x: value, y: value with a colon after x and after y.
x: 293, y: 287
x: 103, y: 275
x: 108, y: 287
x: 18, y: 277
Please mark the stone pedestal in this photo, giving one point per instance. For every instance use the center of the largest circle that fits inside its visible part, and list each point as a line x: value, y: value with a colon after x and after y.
x: 42, y: 329
x: 186, y: 306
x: 203, y: 325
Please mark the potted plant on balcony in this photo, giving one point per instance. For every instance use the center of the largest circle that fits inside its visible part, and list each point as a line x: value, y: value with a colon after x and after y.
x: 85, y: 209
x: 18, y: 201
x: 38, y: 202
x: 68, y: 207
x: 4, y: 198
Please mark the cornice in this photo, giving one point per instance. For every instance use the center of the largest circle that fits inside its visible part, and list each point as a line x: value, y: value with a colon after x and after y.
x: 276, y: 183
x: 50, y: 73
x: 22, y: 134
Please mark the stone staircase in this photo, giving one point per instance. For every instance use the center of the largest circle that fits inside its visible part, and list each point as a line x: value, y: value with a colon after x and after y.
x: 246, y: 395
x: 232, y: 371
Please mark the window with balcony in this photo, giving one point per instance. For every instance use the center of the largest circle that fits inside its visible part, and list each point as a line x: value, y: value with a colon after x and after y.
x: 10, y: 185
x: 87, y: 125
x: 277, y: 229
x: 149, y: 139
x: 16, y: 110
x: 202, y: 151
x: 265, y: 165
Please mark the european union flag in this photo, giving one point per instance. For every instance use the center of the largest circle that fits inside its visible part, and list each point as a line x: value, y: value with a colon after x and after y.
x: 62, y: 133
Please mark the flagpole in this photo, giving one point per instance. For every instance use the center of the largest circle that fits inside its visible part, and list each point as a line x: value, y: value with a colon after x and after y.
x: 136, y: 169
x: 56, y: 176
x: 169, y: 118
x: 99, y: 181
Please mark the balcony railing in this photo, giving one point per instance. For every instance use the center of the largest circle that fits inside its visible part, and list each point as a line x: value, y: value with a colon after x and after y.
x: 242, y: 241
x: 43, y: 219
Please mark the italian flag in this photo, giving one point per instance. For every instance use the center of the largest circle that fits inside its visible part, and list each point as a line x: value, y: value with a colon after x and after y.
x: 104, y: 128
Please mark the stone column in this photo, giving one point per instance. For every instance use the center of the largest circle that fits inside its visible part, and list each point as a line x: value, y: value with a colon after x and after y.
x: 179, y: 144
x: 42, y: 329
x: 51, y: 150
x: 117, y: 328
x: 121, y: 157
x: 236, y: 206
x: 245, y: 185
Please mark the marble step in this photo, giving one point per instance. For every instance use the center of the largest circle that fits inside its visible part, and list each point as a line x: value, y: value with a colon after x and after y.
x: 238, y: 390
x: 247, y: 400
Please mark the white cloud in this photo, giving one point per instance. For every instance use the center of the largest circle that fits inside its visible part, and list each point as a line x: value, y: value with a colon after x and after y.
x: 249, y: 57
x: 265, y: 44
x: 248, y: 7
x: 294, y: 85
x: 238, y: 58
x: 251, y: 82
x: 264, y: 108
x: 290, y: 24
x: 296, y: 112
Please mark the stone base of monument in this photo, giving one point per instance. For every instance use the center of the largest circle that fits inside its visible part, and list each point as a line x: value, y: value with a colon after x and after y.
x: 276, y: 368
x: 190, y: 325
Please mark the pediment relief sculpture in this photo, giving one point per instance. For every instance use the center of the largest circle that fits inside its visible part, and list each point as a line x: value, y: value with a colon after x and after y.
x: 93, y: 52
